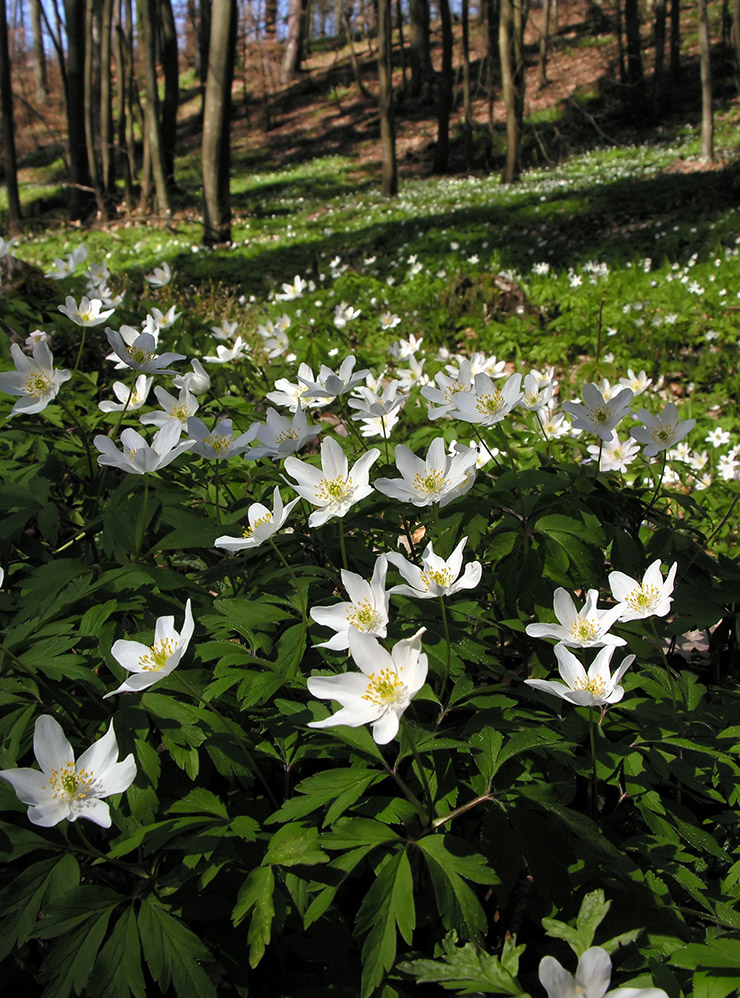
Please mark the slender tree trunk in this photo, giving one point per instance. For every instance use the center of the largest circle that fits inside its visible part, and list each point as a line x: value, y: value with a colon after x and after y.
x: 107, y: 146
x: 291, y: 64
x: 736, y: 33
x: 492, y: 22
x: 620, y: 43
x: 271, y: 14
x: 420, y: 52
x: 147, y: 18
x: 122, y: 156
x: 353, y: 58
x: 402, y: 43
x: 444, y: 93
x: 707, y: 116
x: 513, y: 135
x: 39, y: 56
x: 389, y: 184
x: 545, y: 43
x: 675, y: 41
x: 8, y: 127
x: 216, y: 124
x: 659, y: 70
x: 170, y: 67
x: 75, y: 98
x: 467, y: 101
x: 635, y: 78
x: 92, y: 102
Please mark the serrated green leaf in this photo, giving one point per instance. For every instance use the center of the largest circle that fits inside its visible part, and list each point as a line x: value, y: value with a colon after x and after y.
x: 118, y: 972
x: 69, y: 965
x: 388, y: 904
x: 295, y: 844
x: 199, y: 801
x: 255, y: 895
x: 172, y: 952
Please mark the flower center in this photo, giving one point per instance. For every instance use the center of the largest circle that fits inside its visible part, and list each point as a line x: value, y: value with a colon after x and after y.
x: 68, y: 782
x: 180, y: 412
x: 442, y: 576
x: 661, y: 434
x: 140, y: 355
x: 362, y: 616
x: 583, y: 629
x: 37, y: 385
x: 158, y: 655
x: 594, y: 686
x: 334, y: 491
x: 386, y: 689
x: 430, y: 484
x: 642, y: 598
x: 491, y: 404
x: 601, y: 415
x: 219, y: 441
x: 289, y: 434
x: 249, y: 531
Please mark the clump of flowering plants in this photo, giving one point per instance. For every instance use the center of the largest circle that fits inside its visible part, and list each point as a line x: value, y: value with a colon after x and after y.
x: 354, y: 719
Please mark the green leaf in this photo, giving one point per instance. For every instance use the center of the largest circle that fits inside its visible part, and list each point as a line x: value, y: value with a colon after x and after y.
x: 449, y: 860
x: 388, y: 904
x: 468, y: 970
x: 199, y: 801
x: 69, y: 965
x: 172, y: 953
x: 295, y: 844
x: 593, y: 911
x: 118, y: 972
x: 256, y: 893
x: 76, y: 906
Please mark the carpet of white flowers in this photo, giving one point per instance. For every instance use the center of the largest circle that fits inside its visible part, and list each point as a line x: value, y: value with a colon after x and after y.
x: 376, y: 635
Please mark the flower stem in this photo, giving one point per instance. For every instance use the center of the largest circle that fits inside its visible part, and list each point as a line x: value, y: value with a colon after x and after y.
x: 593, y: 781
x: 304, y: 607
x: 79, y: 352
x: 342, y: 545
x: 141, y: 529
x: 217, y: 483
x: 448, y: 661
x: 666, y: 666
x: 83, y: 435
x: 654, y: 498
x: 94, y: 851
x: 419, y: 766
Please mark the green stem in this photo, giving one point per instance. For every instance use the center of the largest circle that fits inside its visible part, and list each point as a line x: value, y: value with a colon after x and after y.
x: 217, y: 482
x: 53, y: 694
x: 94, y: 851
x: 79, y: 352
x: 448, y: 661
x: 385, y: 440
x: 302, y: 598
x: 666, y: 666
x: 512, y: 464
x: 593, y: 781
x: 342, y: 545
x: 597, y: 466
x: 406, y: 730
x: 654, y: 498
x: 142, y: 519
x: 238, y: 734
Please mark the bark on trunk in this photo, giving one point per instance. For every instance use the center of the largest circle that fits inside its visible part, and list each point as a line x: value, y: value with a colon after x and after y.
x: 420, y: 53
x: 506, y: 44
x: 216, y: 124
x: 467, y: 100
x: 707, y: 116
x: 147, y: 15
x: 39, y: 56
x: 124, y: 157
x: 389, y: 184
x: 170, y: 66
x: 444, y: 93
x: 79, y: 201
x: 8, y: 127
x: 291, y: 64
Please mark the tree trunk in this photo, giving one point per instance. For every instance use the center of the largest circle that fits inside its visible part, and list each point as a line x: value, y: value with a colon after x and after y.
x: 92, y: 102
x: 467, y: 102
x: 271, y: 15
x: 707, y: 118
x: 675, y: 47
x: 107, y: 146
x: 147, y: 19
x: 168, y: 52
x: 39, y: 56
x: 389, y: 184
x: 420, y: 52
x: 659, y: 70
x: 492, y: 19
x: 444, y: 95
x: 216, y: 123
x: 291, y: 64
x: 545, y: 43
x: 364, y: 92
x: 79, y: 201
x: 634, y: 54
x: 8, y: 127
x: 736, y: 33
x: 402, y: 44
x: 513, y: 133
x: 123, y: 156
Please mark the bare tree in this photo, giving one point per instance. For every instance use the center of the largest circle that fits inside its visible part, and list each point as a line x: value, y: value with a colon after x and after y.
x: 216, y: 123
x: 91, y: 99
x: 291, y: 64
x: 707, y: 117
x: 420, y: 52
x: 39, y: 56
x: 147, y: 19
x: 170, y: 68
x: 8, y: 126
x: 444, y: 92
x: 512, y: 21
x: 467, y: 102
x: 389, y: 185
x: 75, y: 100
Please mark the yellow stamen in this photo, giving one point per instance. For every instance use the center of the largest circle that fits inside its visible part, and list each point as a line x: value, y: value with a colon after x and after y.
x: 385, y: 688
x: 36, y: 385
x: 642, y: 597
x: 362, y: 616
x: 158, y: 655
x: 430, y: 484
x: 583, y: 629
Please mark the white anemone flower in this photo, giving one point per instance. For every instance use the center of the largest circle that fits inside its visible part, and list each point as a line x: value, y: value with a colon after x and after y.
x: 439, y: 477
x: 334, y: 487
x: 370, y: 403
x: 220, y: 442
x: 163, y: 320
x: 487, y: 404
x: 225, y: 332
x: 138, y: 457
x: 296, y: 396
x: 344, y: 313
x: 649, y: 598
x: 587, y: 628
x: 141, y: 353
x: 597, y: 414
x: 591, y: 980
x: 128, y: 399
x: 440, y: 394
x: 275, y: 336
x: 280, y: 436
x: 380, y: 692
x: 87, y: 313
x: 292, y: 291
x: 150, y: 663
x: 34, y: 380
x: 595, y: 688
x: 225, y: 355
x: 366, y: 611
x: 437, y: 576
x: 160, y: 276
x: 196, y: 381
x: 536, y: 394
x: 262, y: 524
x: 637, y: 382
x: 65, y: 788
x: 616, y: 455
x: 661, y: 432
x: 180, y: 408
x: 329, y: 384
